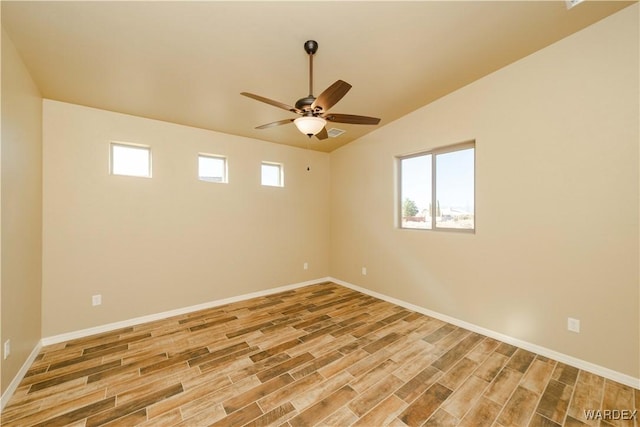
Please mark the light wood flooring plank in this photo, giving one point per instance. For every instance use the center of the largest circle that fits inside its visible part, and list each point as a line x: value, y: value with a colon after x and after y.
x: 322, y: 355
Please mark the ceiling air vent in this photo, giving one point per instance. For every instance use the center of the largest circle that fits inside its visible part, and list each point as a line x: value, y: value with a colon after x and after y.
x: 334, y: 132
x: 572, y: 3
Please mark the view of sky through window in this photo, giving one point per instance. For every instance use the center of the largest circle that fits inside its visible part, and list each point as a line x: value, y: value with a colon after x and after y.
x: 130, y: 160
x: 272, y: 174
x: 454, y: 180
x: 416, y: 187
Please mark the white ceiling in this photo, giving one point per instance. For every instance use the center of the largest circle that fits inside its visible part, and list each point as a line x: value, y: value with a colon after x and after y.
x: 187, y: 62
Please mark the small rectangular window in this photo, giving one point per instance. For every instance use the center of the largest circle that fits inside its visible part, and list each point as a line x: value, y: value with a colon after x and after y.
x: 272, y: 174
x: 130, y: 160
x: 212, y: 168
x: 437, y: 189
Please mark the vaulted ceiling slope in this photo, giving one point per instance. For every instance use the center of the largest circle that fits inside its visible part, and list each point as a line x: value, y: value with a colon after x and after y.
x: 187, y: 62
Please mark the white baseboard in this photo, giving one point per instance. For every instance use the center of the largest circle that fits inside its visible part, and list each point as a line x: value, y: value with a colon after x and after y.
x: 543, y: 351
x: 19, y: 376
x: 177, y: 312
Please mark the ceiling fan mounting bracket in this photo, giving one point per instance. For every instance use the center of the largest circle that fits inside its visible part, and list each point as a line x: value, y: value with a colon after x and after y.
x: 311, y: 47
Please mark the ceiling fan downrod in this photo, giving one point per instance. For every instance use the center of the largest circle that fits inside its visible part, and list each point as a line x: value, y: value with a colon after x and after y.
x: 304, y: 104
x: 311, y: 47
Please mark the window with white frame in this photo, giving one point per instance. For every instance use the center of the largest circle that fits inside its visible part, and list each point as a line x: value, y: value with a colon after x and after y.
x: 437, y: 189
x: 130, y: 160
x: 272, y: 174
x: 212, y: 168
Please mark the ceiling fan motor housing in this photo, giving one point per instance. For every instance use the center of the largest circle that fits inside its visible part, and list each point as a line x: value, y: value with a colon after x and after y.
x: 304, y: 103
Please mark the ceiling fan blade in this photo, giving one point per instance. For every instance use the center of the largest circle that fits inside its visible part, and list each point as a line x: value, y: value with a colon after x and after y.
x: 351, y: 118
x: 322, y: 134
x: 273, y: 124
x: 331, y: 95
x: 271, y: 102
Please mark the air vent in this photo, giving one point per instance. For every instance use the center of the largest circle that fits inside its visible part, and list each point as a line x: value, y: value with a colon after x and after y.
x: 334, y: 132
x: 572, y: 3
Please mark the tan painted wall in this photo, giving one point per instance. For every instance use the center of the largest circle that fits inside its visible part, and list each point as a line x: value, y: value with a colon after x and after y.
x: 21, y: 191
x: 172, y: 241
x: 556, y: 201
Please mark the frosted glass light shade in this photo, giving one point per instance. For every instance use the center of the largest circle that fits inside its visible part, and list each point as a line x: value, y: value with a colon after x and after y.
x: 310, y: 125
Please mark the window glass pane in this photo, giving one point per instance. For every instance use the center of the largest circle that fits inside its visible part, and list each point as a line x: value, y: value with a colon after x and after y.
x: 455, y: 189
x: 130, y: 160
x: 416, y: 192
x: 272, y: 174
x: 212, y: 168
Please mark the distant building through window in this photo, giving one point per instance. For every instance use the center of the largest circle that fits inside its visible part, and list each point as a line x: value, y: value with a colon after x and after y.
x: 212, y: 168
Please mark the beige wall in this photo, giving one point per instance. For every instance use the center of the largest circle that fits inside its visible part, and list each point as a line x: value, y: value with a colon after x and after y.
x: 21, y: 209
x: 556, y: 201
x: 172, y: 241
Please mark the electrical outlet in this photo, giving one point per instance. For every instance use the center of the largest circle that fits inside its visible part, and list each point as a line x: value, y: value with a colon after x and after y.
x: 305, y: 266
x: 7, y: 348
x: 573, y: 325
x: 364, y: 271
x: 96, y: 300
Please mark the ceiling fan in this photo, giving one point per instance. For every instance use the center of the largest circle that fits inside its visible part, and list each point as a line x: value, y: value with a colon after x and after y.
x: 313, y: 111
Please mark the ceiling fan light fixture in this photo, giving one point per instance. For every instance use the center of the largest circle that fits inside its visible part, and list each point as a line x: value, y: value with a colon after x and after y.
x: 310, y: 125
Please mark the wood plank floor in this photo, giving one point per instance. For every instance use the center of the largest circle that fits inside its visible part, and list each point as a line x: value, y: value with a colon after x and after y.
x: 318, y: 355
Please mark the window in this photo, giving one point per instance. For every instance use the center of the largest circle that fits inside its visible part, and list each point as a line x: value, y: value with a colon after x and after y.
x: 212, y: 168
x: 272, y: 174
x: 131, y: 160
x: 437, y: 189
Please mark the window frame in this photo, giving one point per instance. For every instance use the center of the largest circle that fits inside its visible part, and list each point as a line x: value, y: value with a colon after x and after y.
x: 225, y: 168
x: 434, y: 198
x: 113, y: 144
x: 281, y: 174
